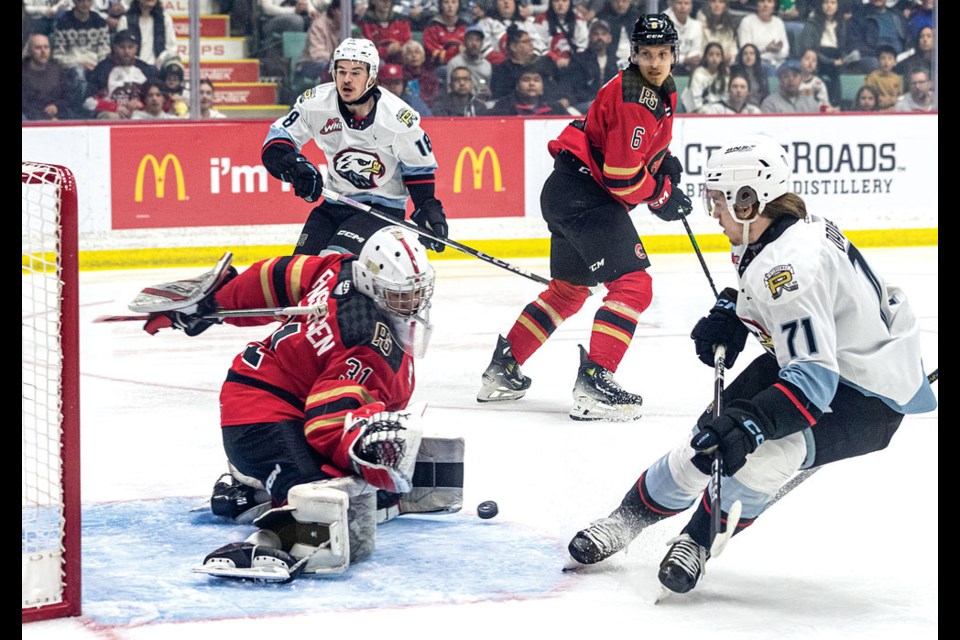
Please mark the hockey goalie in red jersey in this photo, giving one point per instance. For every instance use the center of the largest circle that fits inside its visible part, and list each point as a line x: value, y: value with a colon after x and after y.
x: 604, y: 165
x: 313, y: 414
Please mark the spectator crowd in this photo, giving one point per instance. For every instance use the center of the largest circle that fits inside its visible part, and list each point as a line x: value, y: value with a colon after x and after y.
x: 118, y: 59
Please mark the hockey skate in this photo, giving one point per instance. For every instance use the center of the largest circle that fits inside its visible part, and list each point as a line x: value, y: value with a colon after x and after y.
x: 503, y: 380
x: 251, y: 561
x: 237, y: 501
x: 683, y: 565
x: 597, y: 396
x: 603, y: 538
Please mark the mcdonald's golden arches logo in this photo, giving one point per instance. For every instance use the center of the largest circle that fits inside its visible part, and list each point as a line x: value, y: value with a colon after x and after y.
x: 160, y: 176
x: 476, y: 163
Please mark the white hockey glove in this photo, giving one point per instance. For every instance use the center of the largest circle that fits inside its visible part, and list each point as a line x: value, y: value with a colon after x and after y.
x: 383, y: 447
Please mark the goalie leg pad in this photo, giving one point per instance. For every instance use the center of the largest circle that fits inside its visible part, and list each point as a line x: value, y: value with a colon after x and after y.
x: 324, y: 523
x: 437, y: 482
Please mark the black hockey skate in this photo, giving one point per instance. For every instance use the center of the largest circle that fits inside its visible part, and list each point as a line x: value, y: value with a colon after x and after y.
x: 683, y: 565
x: 597, y: 396
x: 503, y: 380
x: 249, y: 561
x: 603, y: 538
x: 237, y: 501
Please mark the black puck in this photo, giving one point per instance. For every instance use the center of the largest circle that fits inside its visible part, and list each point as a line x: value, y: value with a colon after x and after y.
x: 487, y: 509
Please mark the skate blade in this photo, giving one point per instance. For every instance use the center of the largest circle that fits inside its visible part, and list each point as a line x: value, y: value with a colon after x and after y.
x: 663, y: 595
x: 593, y: 411
x: 495, y: 393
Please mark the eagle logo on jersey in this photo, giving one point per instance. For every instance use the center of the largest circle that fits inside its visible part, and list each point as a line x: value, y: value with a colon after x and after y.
x: 359, y: 168
x: 780, y: 279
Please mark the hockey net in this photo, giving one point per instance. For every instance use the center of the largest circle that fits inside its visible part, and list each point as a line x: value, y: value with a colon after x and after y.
x: 50, y: 407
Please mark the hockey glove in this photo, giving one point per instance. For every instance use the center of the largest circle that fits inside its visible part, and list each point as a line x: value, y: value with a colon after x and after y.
x: 190, y: 324
x: 671, y: 203
x: 671, y: 168
x: 431, y: 218
x: 383, y: 447
x: 720, y: 326
x: 305, y: 178
x: 736, y: 433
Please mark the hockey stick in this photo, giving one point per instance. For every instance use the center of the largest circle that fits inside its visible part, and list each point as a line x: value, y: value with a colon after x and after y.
x: 317, y: 309
x: 718, y: 538
x: 336, y: 197
x: 696, y: 249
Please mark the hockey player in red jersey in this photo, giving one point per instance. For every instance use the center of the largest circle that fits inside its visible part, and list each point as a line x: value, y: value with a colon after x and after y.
x: 605, y: 164
x: 321, y: 397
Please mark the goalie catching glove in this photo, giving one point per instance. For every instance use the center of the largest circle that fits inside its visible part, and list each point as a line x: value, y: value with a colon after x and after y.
x: 305, y: 178
x: 430, y: 217
x: 383, y: 446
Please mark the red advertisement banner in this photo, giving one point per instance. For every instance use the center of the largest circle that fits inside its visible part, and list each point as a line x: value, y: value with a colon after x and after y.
x: 198, y: 174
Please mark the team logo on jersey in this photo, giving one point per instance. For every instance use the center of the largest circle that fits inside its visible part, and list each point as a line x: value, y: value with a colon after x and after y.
x: 407, y: 117
x: 648, y: 98
x: 333, y: 125
x: 362, y: 169
x: 382, y: 339
x: 639, y: 250
x: 309, y: 93
x: 780, y: 279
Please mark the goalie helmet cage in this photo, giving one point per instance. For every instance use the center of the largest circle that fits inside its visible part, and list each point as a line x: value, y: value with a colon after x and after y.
x: 50, y: 399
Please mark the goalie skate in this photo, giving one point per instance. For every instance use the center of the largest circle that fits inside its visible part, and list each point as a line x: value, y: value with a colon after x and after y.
x: 503, y: 379
x: 183, y: 295
x: 252, y: 561
x: 597, y: 396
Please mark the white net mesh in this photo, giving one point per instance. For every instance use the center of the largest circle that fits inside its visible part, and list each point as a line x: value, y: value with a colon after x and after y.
x: 43, y: 502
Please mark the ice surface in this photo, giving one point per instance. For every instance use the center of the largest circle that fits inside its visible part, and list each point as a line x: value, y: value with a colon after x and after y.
x: 853, y: 553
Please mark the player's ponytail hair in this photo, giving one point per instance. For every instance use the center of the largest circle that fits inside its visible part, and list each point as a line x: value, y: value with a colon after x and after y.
x: 789, y: 204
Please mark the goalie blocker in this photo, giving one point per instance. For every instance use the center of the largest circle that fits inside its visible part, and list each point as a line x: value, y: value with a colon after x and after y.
x: 327, y: 525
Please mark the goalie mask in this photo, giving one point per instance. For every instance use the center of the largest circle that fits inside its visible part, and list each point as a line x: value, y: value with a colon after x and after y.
x: 393, y: 271
x: 752, y: 170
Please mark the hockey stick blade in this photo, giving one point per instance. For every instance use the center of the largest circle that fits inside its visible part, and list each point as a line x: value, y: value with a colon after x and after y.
x: 336, y: 197
x: 722, y: 538
x: 317, y: 310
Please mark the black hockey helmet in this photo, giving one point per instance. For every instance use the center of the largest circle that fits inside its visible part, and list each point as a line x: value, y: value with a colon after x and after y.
x: 654, y: 29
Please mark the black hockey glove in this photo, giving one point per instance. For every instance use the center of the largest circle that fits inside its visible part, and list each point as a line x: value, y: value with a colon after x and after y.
x: 672, y: 203
x: 671, y: 168
x: 305, y: 178
x: 431, y: 218
x: 720, y: 326
x: 191, y: 324
x: 737, y: 433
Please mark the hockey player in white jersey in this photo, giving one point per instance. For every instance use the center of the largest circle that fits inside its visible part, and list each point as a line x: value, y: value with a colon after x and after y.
x: 376, y: 152
x: 842, y: 365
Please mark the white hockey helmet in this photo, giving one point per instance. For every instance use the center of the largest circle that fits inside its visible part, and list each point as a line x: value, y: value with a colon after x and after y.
x: 359, y: 50
x: 393, y: 271
x: 749, y: 170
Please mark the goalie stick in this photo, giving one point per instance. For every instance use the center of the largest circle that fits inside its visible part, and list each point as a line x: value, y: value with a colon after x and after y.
x: 318, y: 310
x: 336, y: 197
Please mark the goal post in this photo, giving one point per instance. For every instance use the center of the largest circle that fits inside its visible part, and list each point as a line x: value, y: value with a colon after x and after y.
x: 50, y: 398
